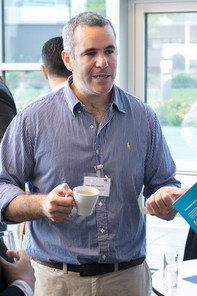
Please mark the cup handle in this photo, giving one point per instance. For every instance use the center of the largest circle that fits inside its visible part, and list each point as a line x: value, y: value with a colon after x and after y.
x: 73, y: 203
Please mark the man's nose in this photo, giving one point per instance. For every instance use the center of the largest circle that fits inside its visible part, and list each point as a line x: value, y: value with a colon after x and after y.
x: 101, y: 61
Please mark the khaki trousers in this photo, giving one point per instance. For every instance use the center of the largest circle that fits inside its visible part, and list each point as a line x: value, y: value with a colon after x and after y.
x: 135, y: 281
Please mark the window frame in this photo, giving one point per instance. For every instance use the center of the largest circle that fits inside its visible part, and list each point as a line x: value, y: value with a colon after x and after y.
x: 136, y: 44
x: 137, y: 48
x: 113, y: 16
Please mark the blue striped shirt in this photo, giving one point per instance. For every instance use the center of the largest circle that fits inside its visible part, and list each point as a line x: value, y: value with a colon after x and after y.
x: 55, y: 140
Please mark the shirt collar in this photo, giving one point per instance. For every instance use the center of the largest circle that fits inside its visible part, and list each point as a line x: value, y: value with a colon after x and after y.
x: 117, y: 99
x: 72, y: 100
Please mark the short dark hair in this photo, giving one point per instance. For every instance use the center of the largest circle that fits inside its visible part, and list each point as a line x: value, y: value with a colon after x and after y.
x: 51, y: 57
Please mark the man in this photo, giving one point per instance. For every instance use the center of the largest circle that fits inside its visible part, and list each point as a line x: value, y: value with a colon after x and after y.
x: 16, y: 278
x: 53, y: 67
x: 89, y: 132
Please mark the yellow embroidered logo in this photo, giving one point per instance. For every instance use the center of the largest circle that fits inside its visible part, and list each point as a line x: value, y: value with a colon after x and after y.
x: 128, y: 145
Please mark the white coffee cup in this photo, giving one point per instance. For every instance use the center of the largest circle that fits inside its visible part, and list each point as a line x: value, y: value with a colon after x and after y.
x: 85, y: 198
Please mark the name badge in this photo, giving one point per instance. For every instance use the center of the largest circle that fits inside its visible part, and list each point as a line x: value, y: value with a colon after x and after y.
x: 102, y: 184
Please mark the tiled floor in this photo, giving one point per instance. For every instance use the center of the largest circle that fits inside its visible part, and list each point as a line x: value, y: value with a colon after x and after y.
x: 165, y: 236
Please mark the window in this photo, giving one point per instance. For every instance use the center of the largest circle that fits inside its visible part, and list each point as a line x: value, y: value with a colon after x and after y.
x: 171, y: 81
x: 165, y: 76
x: 27, y: 25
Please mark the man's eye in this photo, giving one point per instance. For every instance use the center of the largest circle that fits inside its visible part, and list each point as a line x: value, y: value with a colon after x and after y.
x: 90, y: 53
x: 109, y: 51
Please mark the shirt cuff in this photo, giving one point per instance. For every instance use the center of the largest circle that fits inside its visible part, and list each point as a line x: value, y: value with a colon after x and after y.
x: 24, y: 287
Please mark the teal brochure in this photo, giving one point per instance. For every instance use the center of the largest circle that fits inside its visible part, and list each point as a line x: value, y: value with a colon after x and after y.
x: 186, y: 205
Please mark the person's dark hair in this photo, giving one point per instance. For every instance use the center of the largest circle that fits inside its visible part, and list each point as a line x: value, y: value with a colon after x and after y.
x: 90, y: 19
x: 51, y: 58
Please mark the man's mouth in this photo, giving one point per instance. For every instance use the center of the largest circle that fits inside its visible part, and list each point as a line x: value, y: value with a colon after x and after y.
x: 101, y: 76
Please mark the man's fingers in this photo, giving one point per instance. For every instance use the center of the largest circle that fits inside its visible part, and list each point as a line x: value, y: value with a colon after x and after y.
x: 63, y: 189
x: 161, y: 202
x: 4, y: 262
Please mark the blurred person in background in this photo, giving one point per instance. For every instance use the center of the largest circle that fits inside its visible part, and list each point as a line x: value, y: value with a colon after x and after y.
x: 53, y: 66
x: 7, y: 107
x: 190, y: 251
x: 7, y: 113
x: 16, y: 278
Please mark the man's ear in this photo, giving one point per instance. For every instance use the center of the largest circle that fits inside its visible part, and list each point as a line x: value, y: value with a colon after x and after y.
x: 44, y: 72
x: 67, y: 60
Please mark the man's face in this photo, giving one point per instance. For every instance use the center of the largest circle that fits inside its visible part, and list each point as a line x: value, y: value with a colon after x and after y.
x: 95, y: 60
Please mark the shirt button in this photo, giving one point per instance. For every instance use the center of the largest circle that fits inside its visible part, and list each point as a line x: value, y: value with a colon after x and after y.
x: 91, y: 126
x: 102, y: 230
x: 100, y: 204
x: 104, y: 257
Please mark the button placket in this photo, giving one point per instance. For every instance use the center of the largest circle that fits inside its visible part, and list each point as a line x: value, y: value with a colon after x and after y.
x: 102, y: 229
